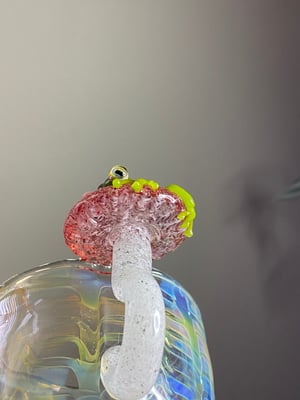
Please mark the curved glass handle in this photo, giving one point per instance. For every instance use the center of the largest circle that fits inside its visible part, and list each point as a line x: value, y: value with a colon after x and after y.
x: 129, y: 371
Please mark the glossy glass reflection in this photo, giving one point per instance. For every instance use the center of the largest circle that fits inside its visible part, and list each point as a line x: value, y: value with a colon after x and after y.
x: 57, y: 320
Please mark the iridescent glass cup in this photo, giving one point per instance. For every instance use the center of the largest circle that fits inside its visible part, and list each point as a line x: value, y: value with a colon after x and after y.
x: 57, y: 320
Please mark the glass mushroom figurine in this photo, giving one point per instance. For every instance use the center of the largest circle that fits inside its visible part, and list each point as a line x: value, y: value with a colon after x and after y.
x: 108, y: 325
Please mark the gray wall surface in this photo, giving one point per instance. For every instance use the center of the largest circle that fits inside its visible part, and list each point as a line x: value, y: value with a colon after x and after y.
x: 204, y: 94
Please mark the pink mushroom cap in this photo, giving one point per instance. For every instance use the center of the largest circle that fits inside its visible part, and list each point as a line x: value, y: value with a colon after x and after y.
x: 95, y: 221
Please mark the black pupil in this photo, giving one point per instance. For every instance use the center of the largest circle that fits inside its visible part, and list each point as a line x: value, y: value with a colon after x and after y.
x: 119, y: 173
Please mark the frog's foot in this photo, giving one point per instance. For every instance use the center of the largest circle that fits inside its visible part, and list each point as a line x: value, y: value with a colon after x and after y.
x: 188, y: 217
x: 189, y: 214
x: 136, y: 185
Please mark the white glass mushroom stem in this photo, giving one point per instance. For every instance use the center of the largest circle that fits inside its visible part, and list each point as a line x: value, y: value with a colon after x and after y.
x: 129, y: 371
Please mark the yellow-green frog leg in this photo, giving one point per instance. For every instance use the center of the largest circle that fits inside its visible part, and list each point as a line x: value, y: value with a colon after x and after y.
x: 117, y: 183
x: 137, y: 184
x: 189, y: 214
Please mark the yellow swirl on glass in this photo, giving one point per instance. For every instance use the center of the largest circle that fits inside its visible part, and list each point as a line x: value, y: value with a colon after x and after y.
x: 56, y: 321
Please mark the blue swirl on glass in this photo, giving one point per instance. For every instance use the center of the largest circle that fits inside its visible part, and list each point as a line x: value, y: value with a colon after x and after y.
x: 57, y: 320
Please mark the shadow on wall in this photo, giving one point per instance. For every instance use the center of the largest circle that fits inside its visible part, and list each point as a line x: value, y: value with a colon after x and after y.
x: 273, y: 229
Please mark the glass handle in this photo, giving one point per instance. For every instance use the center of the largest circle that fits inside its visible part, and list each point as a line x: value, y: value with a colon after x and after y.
x: 129, y: 371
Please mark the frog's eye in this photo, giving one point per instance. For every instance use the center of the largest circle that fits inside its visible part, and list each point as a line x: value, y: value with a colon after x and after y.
x: 119, y: 172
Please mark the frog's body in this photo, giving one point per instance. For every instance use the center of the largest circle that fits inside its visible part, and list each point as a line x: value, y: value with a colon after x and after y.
x: 118, y: 176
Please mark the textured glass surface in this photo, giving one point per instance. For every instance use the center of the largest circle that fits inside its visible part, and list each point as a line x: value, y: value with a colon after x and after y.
x: 95, y: 221
x: 57, y: 320
x: 129, y: 371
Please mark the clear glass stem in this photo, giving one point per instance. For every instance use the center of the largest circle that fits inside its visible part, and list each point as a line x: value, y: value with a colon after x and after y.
x: 129, y: 371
